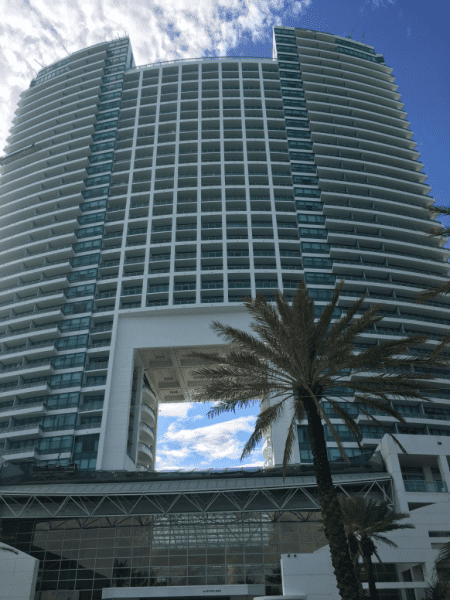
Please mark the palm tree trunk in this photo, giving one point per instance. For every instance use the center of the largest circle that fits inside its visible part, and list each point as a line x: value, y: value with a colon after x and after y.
x: 353, y: 547
x: 344, y: 571
x: 373, y: 593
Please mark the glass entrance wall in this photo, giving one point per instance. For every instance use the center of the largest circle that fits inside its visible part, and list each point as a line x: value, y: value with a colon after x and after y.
x: 80, y: 557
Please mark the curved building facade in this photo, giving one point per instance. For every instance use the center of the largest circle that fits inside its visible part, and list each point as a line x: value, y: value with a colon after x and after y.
x: 141, y: 203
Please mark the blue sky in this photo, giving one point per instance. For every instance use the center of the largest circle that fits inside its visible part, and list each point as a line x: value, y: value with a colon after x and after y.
x: 412, y: 35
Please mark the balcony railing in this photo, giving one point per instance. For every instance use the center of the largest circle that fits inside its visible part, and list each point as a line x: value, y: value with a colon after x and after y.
x: 417, y: 485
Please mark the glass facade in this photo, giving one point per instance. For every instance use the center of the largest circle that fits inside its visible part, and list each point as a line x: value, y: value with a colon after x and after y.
x: 80, y: 557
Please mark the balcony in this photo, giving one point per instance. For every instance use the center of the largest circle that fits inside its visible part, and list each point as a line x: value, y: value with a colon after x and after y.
x: 25, y: 453
x: 91, y: 407
x: 97, y: 366
x: 21, y: 432
x: 148, y: 414
x: 417, y: 485
x: 145, y: 454
x: 146, y: 434
x: 27, y: 410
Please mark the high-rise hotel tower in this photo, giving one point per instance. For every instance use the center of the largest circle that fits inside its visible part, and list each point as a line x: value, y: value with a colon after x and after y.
x: 140, y: 203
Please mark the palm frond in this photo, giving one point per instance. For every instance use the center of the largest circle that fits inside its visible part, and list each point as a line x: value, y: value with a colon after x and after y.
x: 442, y: 561
x: 290, y: 438
x: 440, y: 290
x: 439, y: 231
x: 439, y: 210
x: 385, y: 540
x: 265, y: 418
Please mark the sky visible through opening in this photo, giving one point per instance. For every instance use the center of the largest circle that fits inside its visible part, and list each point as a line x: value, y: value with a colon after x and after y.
x: 412, y: 35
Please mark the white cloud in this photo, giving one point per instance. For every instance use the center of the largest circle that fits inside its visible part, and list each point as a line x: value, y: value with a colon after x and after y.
x: 202, y: 445
x: 40, y: 31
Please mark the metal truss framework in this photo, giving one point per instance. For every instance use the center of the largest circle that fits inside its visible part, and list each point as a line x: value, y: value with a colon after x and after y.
x: 302, y: 498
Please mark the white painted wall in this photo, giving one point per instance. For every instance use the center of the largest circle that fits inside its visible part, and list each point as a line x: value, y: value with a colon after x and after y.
x: 18, y: 574
x: 150, y: 329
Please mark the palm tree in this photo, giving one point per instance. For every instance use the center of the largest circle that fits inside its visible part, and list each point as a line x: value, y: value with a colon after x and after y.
x: 364, y: 520
x: 298, y: 361
x: 121, y: 573
x: 438, y: 590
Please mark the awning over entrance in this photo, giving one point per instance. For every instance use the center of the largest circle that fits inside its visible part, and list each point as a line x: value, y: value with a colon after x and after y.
x: 194, y: 592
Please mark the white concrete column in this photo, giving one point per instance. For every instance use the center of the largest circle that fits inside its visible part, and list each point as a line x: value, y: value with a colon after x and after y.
x: 444, y: 468
x: 389, y: 451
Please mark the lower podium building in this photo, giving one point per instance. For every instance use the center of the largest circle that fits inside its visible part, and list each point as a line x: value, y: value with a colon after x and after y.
x: 235, y: 535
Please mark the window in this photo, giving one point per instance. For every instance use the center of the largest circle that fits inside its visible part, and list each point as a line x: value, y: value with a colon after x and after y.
x: 292, y: 112
x: 343, y: 432
x: 95, y: 193
x: 90, y: 259
x: 63, y: 400
x: 106, y: 125
x: 348, y: 407
x: 86, y: 246
x: 85, y: 219
x: 101, y: 157
x: 66, y: 380
x: 314, y: 233
x: 90, y: 422
x: 434, y: 431
x: 291, y: 84
x: 73, y: 341
x: 384, y: 572
x: 74, y: 324
x: 97, y: 180
x: 98, y: 137
x: 318, y: 263
x: 321, y: 295
x: 300, y: 168
x: 293, y: 102
x: 92, y: 206
x: 408, y: 411
x: 323, y: 278
x: 105, y: 145
x: 437, y: 413
x: 300, y: 145
x: 293, y: 93
x: 307, y: 205
x: 83, y: 275
x: 85, y: 451
x: 290, y: 75
x: 54, y: 422
x: 81, y: 290
x: 315, y: 248
x: 317, y: 219
x: 373, y: 431
x: 99, y: 169
x: 152, y: 289
x: 51, y: 445
x: 69, y: 361
x: 77, y: 307
x: 292, y: 123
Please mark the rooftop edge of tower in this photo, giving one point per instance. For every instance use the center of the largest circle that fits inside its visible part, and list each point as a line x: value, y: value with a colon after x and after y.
x: 62, y: 62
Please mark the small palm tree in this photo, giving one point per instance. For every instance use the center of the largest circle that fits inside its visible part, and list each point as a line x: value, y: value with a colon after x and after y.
x: 438, y: 590
x: 364, y: 520
x: 301, y: 362
x: 441, y: 568
x: 121, y: 573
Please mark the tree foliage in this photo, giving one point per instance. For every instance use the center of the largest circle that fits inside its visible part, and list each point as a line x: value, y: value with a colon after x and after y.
x: 293, y: 358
